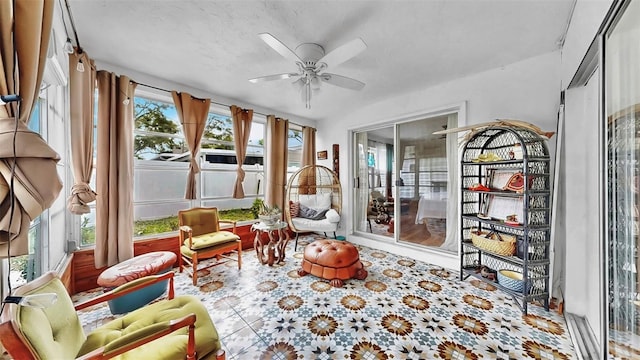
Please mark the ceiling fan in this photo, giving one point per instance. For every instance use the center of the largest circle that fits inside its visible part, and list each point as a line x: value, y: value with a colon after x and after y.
x: 312, y: 63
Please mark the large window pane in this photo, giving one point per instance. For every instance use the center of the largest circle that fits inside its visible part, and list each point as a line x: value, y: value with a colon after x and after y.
x: 88, y: 228
x: 157, y: 218
x: 162, y: 163
x: 164, y: 182
x: 294, y: 157
x: 158, y: 133
x: 26, y: 268
x: 218, y: 183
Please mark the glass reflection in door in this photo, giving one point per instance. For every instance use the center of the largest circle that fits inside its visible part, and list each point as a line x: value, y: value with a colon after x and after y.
x: 622, y: 131
x: 374, y: 187
x: 426, y: 174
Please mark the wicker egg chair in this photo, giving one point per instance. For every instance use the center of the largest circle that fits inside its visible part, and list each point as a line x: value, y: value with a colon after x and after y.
x: 314, y: 195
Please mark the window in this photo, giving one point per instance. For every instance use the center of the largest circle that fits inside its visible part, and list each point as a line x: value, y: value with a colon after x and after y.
x: 46, y: 236
x: 161, y: 163
x: 294, y: 143
x: 23, y: 268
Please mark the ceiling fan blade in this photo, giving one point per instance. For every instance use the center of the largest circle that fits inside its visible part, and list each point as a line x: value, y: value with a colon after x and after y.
x: 281, y: 48
x: 273, y: 77
x: 343, y: 53
x: 342, y: 81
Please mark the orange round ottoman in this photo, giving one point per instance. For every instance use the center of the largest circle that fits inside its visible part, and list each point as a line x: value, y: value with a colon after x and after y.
x: 332, y: 260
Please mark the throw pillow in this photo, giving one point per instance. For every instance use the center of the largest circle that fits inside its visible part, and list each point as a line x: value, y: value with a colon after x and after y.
x: 294, y: 209
x: 316, y: 201
x: 311, y: 214
x: 332, y: 216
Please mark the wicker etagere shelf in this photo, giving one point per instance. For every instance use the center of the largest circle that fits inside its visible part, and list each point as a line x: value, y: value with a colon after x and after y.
x: 488, y: 157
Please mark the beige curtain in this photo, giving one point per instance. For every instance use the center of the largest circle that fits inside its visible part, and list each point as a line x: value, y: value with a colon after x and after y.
x: 241, y: 131
x: 308, y: 146
x: 36, y: 183
x: 277, y: 149
x: 114, y: 171
x: 193, y: 117
x: 32, y: 30
x: 307, y: 179
x: 81, y: 95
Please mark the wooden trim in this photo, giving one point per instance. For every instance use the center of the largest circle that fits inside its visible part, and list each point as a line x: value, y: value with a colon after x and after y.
x: 66, y: 274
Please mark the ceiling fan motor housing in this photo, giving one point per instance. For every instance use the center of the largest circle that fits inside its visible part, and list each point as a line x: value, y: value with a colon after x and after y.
x: 310, y: 53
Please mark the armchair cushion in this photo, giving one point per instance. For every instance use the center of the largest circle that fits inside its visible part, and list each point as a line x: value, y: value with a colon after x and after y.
x: 221, y: 247
x: 172, y: 346
x: 303, y: 224
x: 52, y: 330
x: 211, y: 239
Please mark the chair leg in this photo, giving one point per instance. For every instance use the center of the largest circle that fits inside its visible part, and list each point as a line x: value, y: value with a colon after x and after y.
x: 239, y: 254
x: 194, y: 263
x: 325, y: 234
x: 295, y: 248
x: 370, y: 229
x: 334, y: 235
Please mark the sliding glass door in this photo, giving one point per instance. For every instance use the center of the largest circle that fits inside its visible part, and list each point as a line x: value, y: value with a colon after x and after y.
x: 404, y: 182
x: 622, y: 146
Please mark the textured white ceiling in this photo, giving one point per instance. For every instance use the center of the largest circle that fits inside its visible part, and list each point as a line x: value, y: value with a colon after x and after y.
x: 213, y: 45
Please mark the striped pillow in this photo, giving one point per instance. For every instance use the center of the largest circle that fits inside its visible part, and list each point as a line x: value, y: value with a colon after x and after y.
x: 294, y: 209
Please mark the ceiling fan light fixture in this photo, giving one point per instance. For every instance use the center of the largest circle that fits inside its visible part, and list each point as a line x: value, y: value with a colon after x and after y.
x: 315, y: 83
x: 312, y: 61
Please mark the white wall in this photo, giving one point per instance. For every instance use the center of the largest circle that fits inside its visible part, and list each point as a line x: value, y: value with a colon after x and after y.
x: 586, y: 19
x: 528, y: 90
x: 580, y: 200
x: 581, y: 232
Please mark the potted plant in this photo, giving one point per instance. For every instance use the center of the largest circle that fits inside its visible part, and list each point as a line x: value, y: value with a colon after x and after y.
x: 269, y: 214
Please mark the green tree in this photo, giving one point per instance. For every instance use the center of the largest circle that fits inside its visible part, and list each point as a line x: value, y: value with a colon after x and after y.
x: 150, y: 117
x: 296, y: 135
x: 218, y: 128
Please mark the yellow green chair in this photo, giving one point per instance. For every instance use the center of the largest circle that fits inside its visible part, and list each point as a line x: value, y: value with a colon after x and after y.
x: 201, y: 238
x: 174, y: 328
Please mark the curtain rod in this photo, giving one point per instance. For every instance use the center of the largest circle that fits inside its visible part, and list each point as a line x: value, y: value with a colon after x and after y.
x: 213, y: 102
x: 73, y: 26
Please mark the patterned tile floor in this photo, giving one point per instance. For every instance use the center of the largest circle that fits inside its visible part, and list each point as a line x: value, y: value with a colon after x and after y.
x: 404, y: 309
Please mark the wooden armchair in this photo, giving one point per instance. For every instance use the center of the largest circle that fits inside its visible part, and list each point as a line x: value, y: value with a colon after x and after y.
x: 179, y: 327
x: 201, y: 238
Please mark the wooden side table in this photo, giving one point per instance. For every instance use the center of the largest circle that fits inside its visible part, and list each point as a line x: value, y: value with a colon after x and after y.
x: 272, y: 251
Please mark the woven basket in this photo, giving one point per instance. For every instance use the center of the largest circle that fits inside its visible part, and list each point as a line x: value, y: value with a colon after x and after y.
x: 501, y: 244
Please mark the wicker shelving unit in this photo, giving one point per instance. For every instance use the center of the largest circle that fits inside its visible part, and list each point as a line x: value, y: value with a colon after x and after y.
x: 532, y: 204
